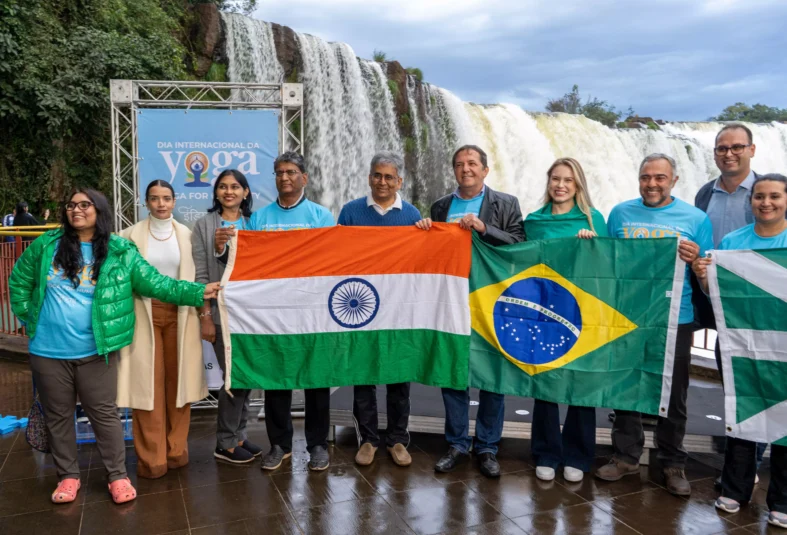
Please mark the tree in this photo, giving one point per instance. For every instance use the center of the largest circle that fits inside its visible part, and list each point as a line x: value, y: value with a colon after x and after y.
x: 592, y: 108
x: 379, y: 56
x: 759, y: 113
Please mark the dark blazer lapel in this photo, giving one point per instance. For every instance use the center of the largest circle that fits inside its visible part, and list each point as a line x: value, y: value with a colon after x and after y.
x: 487, y: 210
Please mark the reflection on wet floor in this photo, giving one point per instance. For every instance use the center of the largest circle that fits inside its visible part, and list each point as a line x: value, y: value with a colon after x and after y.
x: 207, y: 497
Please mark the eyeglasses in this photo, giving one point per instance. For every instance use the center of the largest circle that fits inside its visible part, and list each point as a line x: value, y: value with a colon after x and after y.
x: 82, y: 205
x: 721, y: 150
x: 289, y: 172
x: 377, y: 177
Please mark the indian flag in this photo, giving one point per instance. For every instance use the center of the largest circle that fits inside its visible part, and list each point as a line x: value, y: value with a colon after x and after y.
x: 749, y: 297
x: 347, y: 306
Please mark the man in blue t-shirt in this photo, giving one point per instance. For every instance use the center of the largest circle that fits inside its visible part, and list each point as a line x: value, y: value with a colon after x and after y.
x: 382, y: 207
x: 657, y: 214
x: 293, y: 211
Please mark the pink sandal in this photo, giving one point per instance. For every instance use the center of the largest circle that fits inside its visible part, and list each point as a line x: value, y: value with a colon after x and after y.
x: 122, y: 491
x: 66, y: 491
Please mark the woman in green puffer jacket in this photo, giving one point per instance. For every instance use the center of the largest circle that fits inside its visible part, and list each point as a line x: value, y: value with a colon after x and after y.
x: 73, y: 288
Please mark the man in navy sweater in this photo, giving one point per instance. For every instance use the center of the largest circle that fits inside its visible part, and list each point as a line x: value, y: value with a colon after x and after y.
x: 383, y: 207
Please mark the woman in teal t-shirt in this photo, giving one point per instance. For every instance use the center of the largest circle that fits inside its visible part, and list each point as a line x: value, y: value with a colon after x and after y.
x: 769, y: 231
x: 567, y: 212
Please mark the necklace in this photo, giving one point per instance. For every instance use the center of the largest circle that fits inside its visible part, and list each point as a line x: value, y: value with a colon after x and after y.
x: 161, y: 239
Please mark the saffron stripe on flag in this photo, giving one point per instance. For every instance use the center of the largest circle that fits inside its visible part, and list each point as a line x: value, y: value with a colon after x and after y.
x: 445, y: 249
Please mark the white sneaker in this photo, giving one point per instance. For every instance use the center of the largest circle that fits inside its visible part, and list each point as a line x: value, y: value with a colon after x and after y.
x: 545, y: 473
x: 776, y: 518
x: 728, y: 505
x: 574, y: 475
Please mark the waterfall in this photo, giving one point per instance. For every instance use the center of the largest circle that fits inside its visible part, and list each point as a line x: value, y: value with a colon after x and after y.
x: 350, y: 114
x: 251, y: 51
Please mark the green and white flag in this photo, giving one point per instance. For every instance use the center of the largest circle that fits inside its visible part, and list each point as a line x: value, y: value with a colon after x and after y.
x: 749, y: 294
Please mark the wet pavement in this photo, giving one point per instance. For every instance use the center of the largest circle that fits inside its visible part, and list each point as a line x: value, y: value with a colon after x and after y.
x: 211, y: 498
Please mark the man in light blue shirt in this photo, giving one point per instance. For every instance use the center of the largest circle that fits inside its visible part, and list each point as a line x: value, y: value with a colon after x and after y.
x: 293, y: 211
x: 657, y: 214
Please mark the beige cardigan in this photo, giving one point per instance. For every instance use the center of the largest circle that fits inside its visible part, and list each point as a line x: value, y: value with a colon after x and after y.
x: 135, y: 367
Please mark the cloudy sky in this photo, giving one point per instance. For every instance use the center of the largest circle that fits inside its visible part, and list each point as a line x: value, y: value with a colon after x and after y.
x: 669, y: 59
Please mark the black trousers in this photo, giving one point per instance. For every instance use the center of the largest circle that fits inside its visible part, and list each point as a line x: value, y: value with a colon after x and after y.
x: 398, y: 412
x: 628, y: 437
x: 278, y: 417
x: 740, y: 467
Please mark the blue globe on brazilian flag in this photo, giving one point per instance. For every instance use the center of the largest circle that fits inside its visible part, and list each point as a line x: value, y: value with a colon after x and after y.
x: 584, y: 322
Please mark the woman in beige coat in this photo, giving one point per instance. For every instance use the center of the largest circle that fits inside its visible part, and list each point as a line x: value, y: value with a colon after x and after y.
x: 162, y: 371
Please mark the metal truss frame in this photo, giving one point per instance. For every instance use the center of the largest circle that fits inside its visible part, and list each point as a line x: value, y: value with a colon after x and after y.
x: 127, y: 96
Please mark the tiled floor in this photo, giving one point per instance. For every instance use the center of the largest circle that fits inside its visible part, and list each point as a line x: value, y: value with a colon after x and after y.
x: 209, y: 498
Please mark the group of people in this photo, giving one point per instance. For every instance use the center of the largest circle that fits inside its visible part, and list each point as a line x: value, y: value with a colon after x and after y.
x: 118, y: 320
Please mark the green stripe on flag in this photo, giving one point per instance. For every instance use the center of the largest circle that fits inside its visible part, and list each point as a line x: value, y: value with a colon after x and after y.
x: 778, y: 256
x: 747, y: 306
x: 283, y: 362
x: 759, y: 385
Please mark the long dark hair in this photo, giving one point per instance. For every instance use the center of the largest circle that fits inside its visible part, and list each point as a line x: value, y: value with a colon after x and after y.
x: 160, y: 184
x: 69, y: 253
x: 245, y: 205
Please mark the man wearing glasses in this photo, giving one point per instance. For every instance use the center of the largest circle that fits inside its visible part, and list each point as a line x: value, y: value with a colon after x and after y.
x: 292, y: 211
x: 383, y: 207
x: 726, y: 201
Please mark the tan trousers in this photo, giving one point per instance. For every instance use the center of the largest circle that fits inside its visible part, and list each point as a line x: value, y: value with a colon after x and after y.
x: 161, y: 435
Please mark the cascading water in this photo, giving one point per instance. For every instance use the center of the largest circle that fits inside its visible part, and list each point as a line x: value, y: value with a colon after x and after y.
x: 350, y: 115
x: 251, y: 50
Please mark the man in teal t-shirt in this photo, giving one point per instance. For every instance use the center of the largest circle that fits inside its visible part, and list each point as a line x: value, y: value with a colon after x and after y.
x: 293, y: 211
x: 657, y: 214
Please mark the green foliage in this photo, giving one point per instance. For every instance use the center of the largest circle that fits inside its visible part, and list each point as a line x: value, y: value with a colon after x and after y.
x: 405, y: 121
x: 433, y: 100
x: 415, y: 71
x: 759, y: 113
x: 592, y: 107
x: 410, y: 145
x: 653, y: 126
x: 424, y: 136
x: 293, y: 77
x: 393, y: 87
x: 246, y: 7
x: 217, y: 73
x: 56, y: 60
x: 379, y: 56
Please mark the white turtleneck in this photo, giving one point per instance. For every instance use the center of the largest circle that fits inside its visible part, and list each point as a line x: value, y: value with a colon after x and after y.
x: 163, y: 255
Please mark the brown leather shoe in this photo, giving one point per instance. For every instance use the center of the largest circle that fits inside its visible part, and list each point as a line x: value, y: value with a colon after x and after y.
x: 400, y: 455
x: 677, y: 483
x: 616, y: 469
x: 365, y: 455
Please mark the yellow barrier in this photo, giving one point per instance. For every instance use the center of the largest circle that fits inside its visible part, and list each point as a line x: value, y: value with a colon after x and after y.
x: 27, y: 232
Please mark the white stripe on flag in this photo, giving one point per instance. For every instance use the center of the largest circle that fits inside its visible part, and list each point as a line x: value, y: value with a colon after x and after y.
x: 300, y: 306
x: 755, y: 268
x: 766, y: 426
x: 672, y: 334
x: 757, y: 345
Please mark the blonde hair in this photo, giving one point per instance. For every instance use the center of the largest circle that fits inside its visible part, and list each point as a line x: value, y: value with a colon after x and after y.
x: 582, y: 197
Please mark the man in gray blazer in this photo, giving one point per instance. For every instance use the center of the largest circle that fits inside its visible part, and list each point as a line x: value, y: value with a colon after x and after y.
x: 497, y: 219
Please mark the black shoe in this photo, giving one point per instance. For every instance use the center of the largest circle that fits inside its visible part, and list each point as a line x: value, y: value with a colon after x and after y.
x: 448, y: 462
x: 319, y: 459
x: 239, y: 456
x: 488, y: 464
x: 274, y: 458
x: 255, y: 450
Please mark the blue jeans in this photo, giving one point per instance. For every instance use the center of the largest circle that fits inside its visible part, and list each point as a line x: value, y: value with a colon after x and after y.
x: 488, y: 422
x: 576, y: 447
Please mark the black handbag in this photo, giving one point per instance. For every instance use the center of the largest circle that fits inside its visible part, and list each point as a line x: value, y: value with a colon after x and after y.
x: 35, y: 434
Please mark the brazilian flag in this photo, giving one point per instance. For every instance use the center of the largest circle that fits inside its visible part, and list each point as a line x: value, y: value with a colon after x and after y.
x: 582, y: 322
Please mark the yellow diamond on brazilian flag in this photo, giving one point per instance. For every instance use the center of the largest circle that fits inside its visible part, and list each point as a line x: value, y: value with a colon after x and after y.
x: 583, y: 322
x: 541, y: 321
